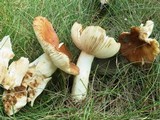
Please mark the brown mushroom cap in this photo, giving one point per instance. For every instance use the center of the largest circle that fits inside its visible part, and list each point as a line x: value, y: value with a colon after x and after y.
x: 137, y: 47
x: 49, y: 41
x: 45, y: 32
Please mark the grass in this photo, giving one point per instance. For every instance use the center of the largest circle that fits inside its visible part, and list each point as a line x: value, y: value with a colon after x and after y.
x: 126, y: 93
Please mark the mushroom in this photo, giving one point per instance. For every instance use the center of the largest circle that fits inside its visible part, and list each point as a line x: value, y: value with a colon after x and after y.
x: 15, y: 73
x: 93, y: 42
x: 49, y: 41
x: 136, y: 45
x: 103, y: 3
x: 38, y: 75
x: 6, y: 54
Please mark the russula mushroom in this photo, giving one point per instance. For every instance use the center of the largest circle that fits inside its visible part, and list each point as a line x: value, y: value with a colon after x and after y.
x: 93, y: 42
x: 6, y: 54
x: 15, y: 73
x: 136, y: 45
x: 49, y: 41
x: 38, y: 75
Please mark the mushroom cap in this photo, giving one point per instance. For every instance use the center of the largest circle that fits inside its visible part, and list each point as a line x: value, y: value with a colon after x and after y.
x: 137, y: 47
x: 49, y: 41
x: 93, y: 40
x: 15, y: 73
x: 15, y: 99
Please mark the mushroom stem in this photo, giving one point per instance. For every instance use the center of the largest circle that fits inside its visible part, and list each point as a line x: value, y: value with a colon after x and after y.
x: 80, y: 84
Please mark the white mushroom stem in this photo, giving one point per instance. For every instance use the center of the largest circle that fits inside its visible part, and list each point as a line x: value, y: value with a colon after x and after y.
x: 80, y: 85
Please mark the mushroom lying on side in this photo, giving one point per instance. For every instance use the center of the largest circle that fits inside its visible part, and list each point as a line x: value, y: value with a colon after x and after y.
x: 49, y: 41
x: 6, y: 54
x: 93, y: 42
x: 136, y: 45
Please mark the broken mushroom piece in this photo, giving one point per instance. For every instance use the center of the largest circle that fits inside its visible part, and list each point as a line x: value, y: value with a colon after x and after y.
x: 15, y: 99
x: 38, y: 75
x: 6, y: 54
x: 33, y: 84
x: 36, y: 87
x: 146, y: 31
x: 15, y: 73
x: 49, y: 41
x: 93, y: 42
x: 137, y: 47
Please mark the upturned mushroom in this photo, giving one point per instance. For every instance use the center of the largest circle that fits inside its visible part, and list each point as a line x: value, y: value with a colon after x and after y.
x: 49, y: 41
x: 93, y: 42
x: 136, y: 45
x: 6, y: 54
